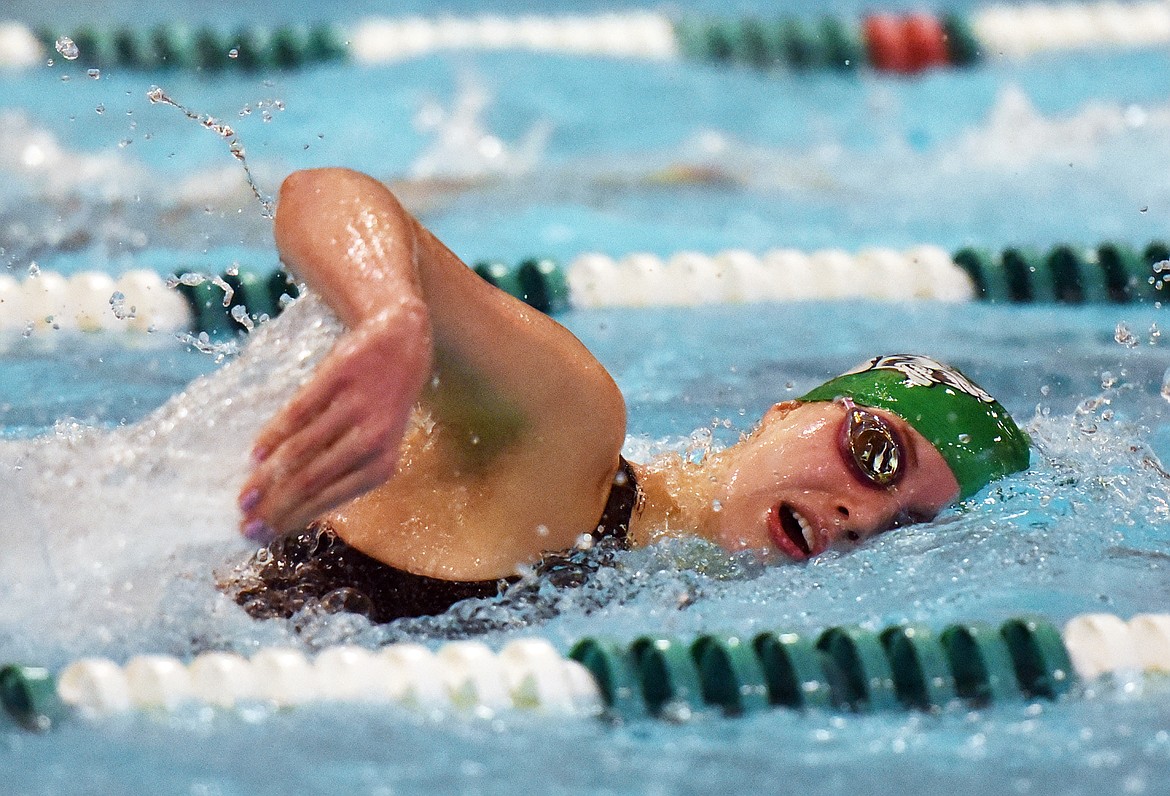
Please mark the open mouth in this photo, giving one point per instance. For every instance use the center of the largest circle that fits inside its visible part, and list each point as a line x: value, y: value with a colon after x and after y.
x: 791, y: 532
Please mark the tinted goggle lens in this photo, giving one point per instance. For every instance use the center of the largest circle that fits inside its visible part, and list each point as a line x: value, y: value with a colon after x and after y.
x: 872, y: 446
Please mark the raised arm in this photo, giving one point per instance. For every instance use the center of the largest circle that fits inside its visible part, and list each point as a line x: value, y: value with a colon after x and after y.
x: 515, y: 393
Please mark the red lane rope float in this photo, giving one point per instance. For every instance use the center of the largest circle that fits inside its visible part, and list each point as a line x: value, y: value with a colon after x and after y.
x: 885, y: 42
x: 905, y: 44
x: 926, y: 42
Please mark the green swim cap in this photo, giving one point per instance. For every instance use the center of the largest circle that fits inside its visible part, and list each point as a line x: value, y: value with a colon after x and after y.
x: 973, y: 432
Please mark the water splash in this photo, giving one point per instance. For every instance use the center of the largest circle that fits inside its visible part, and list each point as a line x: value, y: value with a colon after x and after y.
x: 267, y: 205
x: 125, y: 559
x: 463, y: 149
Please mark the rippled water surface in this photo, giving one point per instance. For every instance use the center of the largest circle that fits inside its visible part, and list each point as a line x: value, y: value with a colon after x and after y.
x: 116, y: 503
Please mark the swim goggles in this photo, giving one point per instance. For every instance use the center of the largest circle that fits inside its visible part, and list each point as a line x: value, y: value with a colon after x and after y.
x: 871, y: 446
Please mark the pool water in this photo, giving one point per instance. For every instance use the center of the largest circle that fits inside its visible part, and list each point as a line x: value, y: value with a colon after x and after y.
x: 117, y: 498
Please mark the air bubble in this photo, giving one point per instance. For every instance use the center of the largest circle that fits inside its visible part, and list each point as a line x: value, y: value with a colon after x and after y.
x: 67, y: 48
x: 234, y: 53
x: 1166, y: 385
x: 94, y: 74
x: 964, y: 438
x: 1108, y: 380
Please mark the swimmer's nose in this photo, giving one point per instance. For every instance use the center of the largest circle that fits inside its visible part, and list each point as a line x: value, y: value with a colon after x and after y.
x: 857, y: 520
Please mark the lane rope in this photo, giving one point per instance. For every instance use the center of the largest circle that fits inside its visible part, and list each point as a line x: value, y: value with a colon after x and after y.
x: 222, y: 305
x: 900, y: 667
x: 905, y: 43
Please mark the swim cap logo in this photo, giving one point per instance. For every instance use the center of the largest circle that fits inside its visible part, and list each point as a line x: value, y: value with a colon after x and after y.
x: 924, y: 372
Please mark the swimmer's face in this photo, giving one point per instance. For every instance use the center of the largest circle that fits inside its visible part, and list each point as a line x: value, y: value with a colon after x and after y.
x: 822, y: 475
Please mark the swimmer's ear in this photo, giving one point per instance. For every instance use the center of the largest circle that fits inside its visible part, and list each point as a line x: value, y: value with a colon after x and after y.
x: 778, y: 411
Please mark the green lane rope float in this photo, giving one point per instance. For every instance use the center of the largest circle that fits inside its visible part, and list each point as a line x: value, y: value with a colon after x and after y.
x: 225, y: 304
x: 903, y: 43
x: 839, y: 669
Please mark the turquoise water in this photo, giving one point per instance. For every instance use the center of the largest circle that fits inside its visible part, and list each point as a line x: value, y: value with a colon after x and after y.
x: 116, y: 516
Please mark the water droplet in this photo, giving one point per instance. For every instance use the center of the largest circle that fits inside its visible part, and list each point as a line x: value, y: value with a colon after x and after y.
x: 542, y: 530
x: 67, y: 48
x: 1108, y: 380
x: 963, y: 438
x: 234, y: 53
x: 125, y: 142
x: 34, y: 270
x: 1166, y: 385
x: 1045, y: 389
x: 94, y: 74
x: 118, y: 306
x: 101, y: 108
x: 240, y: 316
x: 1123, y: 336
x: 716, y: 505
x: 1145, y: 209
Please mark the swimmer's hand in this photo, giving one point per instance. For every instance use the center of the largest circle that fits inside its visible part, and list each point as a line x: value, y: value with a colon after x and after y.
x: 341, y: 433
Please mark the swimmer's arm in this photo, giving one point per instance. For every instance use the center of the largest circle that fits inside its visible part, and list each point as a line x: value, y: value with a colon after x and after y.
x: 338, y: 437
x: 508, y: 378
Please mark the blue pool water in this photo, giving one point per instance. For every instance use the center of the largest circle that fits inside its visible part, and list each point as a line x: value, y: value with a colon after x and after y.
x: 113, y: 518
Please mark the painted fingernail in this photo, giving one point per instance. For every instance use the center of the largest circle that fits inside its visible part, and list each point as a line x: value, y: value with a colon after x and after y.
x: 259, y: 454
x: 249, y: 500
x: 258, y: 531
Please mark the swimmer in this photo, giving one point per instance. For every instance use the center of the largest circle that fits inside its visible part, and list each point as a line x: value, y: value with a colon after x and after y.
x: 455, y: 436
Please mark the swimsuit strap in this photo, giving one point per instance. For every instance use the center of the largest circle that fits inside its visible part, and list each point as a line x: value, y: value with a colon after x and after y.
x: 619, y: 508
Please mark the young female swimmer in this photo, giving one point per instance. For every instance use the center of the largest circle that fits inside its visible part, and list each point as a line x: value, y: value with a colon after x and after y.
x: 454, y: 435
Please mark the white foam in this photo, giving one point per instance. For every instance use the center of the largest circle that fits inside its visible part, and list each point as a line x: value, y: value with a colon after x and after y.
x: 98, y: 525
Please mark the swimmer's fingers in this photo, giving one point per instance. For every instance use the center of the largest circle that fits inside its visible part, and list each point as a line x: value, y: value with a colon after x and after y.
x: 351, y: 467
x: 312, y: 400
x: 370, y: 382
x: 295, y: 453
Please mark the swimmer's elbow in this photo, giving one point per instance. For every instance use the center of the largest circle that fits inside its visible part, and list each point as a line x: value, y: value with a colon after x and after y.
x: 329, y: 183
